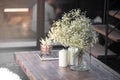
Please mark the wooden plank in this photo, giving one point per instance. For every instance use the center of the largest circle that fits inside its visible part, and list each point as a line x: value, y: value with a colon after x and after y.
x: 99, y: 51
x: 112, y: 12
x: 49, y: 70
x: 26, y: 68
x: 114, y: 35
x: 106, y: 69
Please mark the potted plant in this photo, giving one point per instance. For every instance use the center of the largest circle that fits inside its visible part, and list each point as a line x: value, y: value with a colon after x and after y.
x: 46, y: 45
x: 74, y: 29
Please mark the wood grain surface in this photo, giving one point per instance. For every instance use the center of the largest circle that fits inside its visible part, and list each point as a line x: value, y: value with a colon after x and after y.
x: 114, y: 35
x: 36, y: 69
x: 113, y: 12
x: 99, y: 51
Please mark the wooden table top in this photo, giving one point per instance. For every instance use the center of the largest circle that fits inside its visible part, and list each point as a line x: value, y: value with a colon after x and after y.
x: 36, y: 69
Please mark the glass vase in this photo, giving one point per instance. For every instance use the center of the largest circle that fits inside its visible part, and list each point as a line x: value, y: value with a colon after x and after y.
x: 45, y: 49
x: 80, y: 63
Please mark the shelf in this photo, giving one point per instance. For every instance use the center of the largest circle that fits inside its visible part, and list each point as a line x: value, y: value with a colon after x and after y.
x: 114, y: 35
x: 99, y: 51
x: 112, y: 12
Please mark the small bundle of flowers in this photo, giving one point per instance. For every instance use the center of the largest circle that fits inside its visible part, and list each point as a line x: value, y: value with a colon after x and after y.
x: 46, y: 45
x: 47, y: 41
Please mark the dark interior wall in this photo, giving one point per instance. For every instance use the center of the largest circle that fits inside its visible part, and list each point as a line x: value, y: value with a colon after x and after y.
x: 96, y: 7
x: 114, y: 5
x: 93, y: 7
x: 66, y: 5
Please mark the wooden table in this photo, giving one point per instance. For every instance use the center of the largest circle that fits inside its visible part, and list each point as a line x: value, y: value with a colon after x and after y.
x: 36, y: 69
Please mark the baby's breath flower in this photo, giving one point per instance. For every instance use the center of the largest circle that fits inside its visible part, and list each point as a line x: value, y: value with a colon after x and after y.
x: 74, y: 30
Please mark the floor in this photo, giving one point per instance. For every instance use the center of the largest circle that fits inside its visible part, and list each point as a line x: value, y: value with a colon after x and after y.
x: 7, y: 60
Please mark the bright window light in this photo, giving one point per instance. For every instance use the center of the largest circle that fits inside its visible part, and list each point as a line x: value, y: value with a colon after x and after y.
x: 16, y: 10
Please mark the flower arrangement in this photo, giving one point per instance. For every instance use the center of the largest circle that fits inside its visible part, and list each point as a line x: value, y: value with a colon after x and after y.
x: 74, y: 29
x: 46, y: 45
x: 46, y: 41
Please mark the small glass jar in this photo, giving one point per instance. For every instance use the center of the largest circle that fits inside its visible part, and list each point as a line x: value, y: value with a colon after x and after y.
x: 46, y: 49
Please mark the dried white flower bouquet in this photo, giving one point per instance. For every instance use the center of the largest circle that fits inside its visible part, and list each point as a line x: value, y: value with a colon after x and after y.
x: 74, y: 30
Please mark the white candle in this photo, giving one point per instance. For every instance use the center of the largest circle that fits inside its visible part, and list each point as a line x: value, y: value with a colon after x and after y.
x: 63, y: 58
x: 71, y: 53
